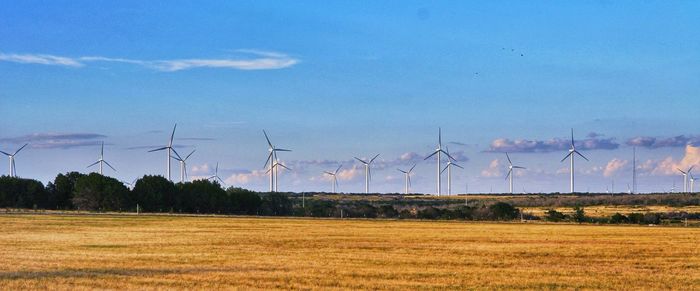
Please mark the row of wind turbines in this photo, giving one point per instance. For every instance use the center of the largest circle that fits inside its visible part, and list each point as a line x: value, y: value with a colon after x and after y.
x: 272, y: 163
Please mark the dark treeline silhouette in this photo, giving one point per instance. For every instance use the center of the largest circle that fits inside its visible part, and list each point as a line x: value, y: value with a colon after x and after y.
x: 155, y: 194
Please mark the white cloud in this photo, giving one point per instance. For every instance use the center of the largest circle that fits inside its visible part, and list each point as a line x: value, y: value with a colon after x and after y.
x: 253, y: 60
x: 40, y: 59
x: 669, y: 166
x: 615, y: 165
x: 493, y: 170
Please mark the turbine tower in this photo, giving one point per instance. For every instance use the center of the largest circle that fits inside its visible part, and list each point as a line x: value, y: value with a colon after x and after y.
x: 634, y: 170
x: 408, y: 178
x: 368, y: 172
x: 685, y: 178
x: 572, y: 151
x: 439, y: 151
x: 448, y: 167
x: 275, y: 169
x: 510, y: 174
x: 272, y: 160
x: 101, y: 160
x: 334, y: 176
x: 183, y: 165
x: 216, y: 177
x: 13, y: 170
x: 169, y: 147
x: 692, y: 183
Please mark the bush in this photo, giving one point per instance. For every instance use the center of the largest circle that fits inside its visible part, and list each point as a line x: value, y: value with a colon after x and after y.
x: 579, y: 215
x: 504, y: 211
x: 618, y: 218
x: 387, y: 211
x: 553, y: 215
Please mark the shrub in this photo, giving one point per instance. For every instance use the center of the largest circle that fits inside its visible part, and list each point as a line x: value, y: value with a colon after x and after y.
x: 504, y: 211
x: 618, y: 218
x: 553, y: 215
x: 579, y: 214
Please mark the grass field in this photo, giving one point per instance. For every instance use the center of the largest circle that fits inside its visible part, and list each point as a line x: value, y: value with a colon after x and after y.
x: 150, y: 252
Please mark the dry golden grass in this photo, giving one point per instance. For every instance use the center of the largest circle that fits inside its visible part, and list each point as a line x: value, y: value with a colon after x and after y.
x: 609, y: 210
x: 177, y: 252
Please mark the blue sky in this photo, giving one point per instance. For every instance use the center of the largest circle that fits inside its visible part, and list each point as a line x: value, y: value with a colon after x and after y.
x: 333, y: 80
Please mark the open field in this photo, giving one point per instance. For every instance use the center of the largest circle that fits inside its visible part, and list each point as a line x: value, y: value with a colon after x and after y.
x: 51, y: 251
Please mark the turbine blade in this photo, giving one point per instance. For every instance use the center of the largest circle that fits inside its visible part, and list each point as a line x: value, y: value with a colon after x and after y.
x: 458, y: 166
x: 189, y: 155
x: 690, y: 169
x: 172, y: 135
x: 328, y: 173
x: 269, y: 160
x: 572, y: 137
x: 282, y: 150
x: 338, y: 169
x: 567, y: 156
x: 4, y: 153
x: 448, y: 155
x: 222, y: 181
x: 509, y: 172
x: 20, y: 149
x: 402, y: 171
x: 158, y: 149
x: 268, y: 139
x: 509, y: 161
x: 435, y: 152
x: 95, y: 163
x: 102, y: 149
x: 178, y: 157
x: 283, y: 166
x: 445, y: 168
x: 518, y: 167
x: 581, y: 155
x: 410, y: 170
x: 110, y: 166
x: 361, y: 161
x: 372, y: 160
x: 440, y: 137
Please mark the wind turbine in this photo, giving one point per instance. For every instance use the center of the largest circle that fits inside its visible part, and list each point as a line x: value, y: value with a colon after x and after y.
x: 572, y: 151
x: 183, y: 165
x: 169, y: 147
x: 13, y: 171
x: 439, y: 151
x: 510, y: 173
x: 216, y: 177
x: 408, y: 177
x: 685, y: 178
x: 272, y: 160
x: 101, y: 160
x: 448, y: 167
x: 334, y: 175
x: 275, y: 169
x: 692, y: 183
x: 368, y: 172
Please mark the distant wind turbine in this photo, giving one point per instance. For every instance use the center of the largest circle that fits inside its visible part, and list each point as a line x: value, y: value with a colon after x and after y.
x: 510, y: 174
x: 13, y: 170
x: 272, y: 160
x: 101, y: 159
x: 692, y: 183
x: 368, y: 171
x: 685, y: 178
x: 448, y: 167
x: 216, y: 177
x: 169, y: 147
x: 183, y: 165
x: 275, y: 170
x: 334, y: 176
x: 408, y: 178
x: 572, y: 151
x: 439, y: 151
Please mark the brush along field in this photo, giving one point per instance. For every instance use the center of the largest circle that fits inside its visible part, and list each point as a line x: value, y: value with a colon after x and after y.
x: 165, y: 252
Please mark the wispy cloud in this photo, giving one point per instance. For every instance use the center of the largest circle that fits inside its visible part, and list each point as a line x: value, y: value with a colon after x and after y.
x: 56, y: 140
x: 654, y: 143
x: 594, y: 141
x: 246, y: 60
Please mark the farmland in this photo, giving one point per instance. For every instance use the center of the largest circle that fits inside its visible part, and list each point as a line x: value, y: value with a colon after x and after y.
x: 150, y: 252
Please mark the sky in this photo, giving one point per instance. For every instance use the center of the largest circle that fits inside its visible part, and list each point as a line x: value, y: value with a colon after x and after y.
x: 333, y: 80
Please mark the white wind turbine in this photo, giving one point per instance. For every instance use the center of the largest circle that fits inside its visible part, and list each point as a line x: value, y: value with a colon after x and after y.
x: 272, y: 160
x: 275, y: 169
x: 216, y: 177
x: 692, y: 183
x: 407, y: 174
x: 183, y: 165
x: 13, y: 170
x: 334, y: 176
x: 448, y: 167
x: 685, y: 178
x: 169, y: 147
x: 368, y: 171
x: 101, y: 159
x: 572, y: 151
x: 511, y: 174
x: 439, y: 151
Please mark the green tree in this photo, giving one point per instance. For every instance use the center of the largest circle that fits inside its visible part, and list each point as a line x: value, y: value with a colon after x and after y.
x: 154, y: 193
x: 22, y: 193
x: 60, y: 192
x: 504, y: 211
x: 276, y: 204
x: 97, y: 192
x: 579, y: 214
